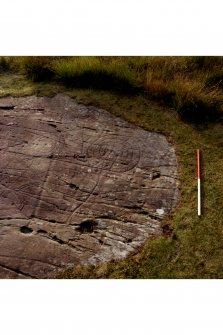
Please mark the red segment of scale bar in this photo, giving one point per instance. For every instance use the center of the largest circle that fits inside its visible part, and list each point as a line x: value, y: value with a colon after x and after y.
x: 198, y: 164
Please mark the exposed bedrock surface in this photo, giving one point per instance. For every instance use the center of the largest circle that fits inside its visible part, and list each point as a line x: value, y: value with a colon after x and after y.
x: 77, y: 186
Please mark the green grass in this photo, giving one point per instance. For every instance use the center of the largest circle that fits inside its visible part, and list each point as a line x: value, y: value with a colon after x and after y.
x: 95, y: 73
x: 16, y: 84
x: 195, y: 249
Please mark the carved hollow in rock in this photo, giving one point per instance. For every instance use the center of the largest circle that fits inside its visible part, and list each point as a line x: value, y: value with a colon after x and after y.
x: 87, y: 226
x: 92, y: 192
x: 26, y: 230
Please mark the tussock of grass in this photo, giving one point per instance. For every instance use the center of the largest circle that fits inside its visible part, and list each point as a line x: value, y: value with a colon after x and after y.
x: 95, y: 73
x: 36, y: 68
x: 4, y: 64
x: 189, y: 84
x: 8, y: 64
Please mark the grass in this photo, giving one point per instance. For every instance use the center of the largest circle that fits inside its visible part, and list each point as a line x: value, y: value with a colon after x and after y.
x: 195, y: 248
x: 191, y: 85
x: 95, y: 73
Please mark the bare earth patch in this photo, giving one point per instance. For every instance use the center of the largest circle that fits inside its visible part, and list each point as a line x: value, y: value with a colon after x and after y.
x: 78, y: 186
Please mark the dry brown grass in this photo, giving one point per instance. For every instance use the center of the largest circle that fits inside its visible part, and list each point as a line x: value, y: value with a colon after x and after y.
x: 182, y: 83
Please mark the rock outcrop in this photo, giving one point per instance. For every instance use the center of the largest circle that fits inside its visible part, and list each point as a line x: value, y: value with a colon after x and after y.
x: 77, y: 186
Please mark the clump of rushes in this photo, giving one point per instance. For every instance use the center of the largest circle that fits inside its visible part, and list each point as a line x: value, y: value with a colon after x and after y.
x: 96, y: 73
x: 37, y: 68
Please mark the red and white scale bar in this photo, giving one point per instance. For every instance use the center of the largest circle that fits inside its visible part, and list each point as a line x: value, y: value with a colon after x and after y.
x: 198, y: 183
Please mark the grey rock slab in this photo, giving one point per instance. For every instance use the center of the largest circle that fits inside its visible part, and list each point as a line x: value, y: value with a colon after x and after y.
x: 77, y: 186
